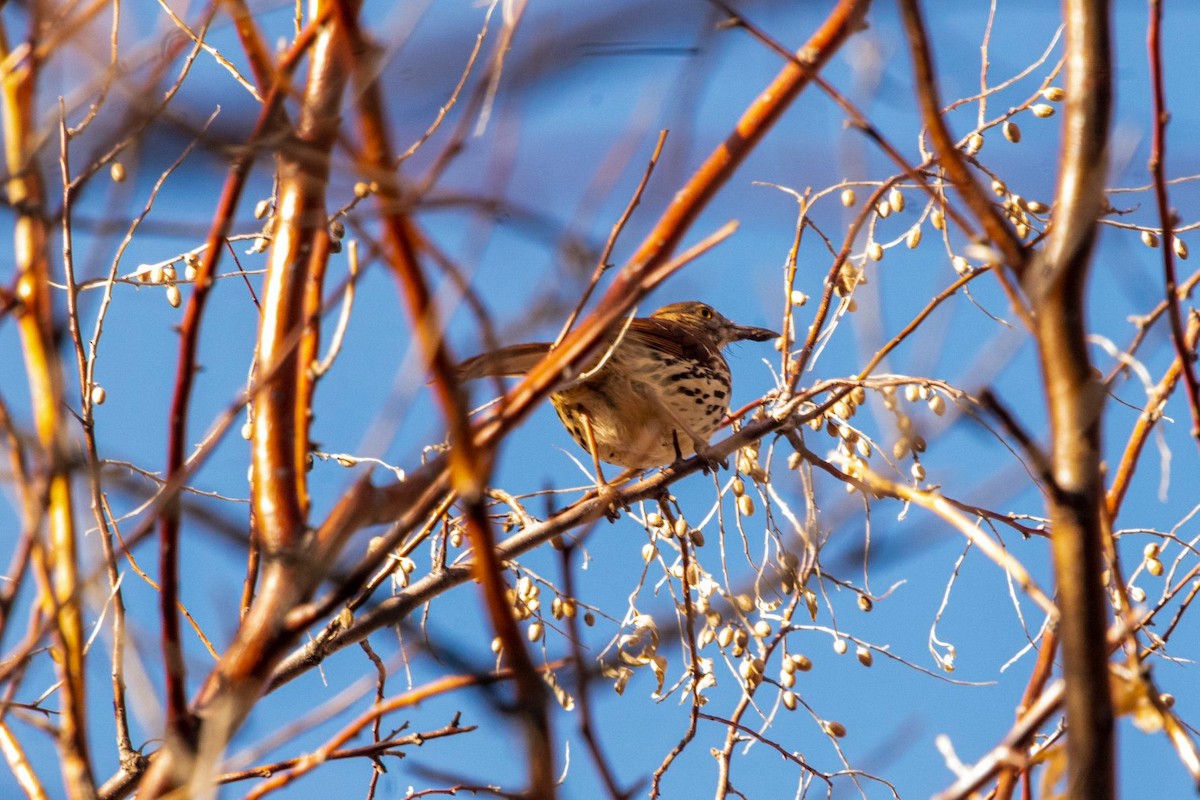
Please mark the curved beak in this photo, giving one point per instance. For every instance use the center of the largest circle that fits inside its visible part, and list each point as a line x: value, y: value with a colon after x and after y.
x: 756, y: 334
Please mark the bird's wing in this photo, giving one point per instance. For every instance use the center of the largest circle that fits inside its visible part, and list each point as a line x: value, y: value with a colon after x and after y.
x: 660, y: 335
x: 516, y: 359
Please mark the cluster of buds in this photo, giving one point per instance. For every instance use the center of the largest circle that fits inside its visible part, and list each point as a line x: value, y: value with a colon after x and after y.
x: 1019, y: 210
x: 790, y: 665
x: 525, y: 598
x: 166, y: 275
x: 404, y: 570
x: 745, y: 503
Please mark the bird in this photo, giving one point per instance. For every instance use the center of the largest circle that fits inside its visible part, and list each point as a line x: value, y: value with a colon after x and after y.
x: 652, y: 398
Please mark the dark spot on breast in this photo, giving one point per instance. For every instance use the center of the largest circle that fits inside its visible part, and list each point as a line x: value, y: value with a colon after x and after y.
x: 717, y: 393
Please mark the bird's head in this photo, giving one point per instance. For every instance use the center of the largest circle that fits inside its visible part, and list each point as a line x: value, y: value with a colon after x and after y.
x: 708, y: 322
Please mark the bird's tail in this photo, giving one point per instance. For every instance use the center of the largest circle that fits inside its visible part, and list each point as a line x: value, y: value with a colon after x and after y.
x: 516, y: 359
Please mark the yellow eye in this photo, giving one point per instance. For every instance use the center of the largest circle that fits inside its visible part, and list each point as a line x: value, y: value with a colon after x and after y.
x: 706, y: 312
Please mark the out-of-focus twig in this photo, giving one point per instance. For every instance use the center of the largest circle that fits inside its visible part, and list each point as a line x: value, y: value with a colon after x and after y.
x: 1000, y: 233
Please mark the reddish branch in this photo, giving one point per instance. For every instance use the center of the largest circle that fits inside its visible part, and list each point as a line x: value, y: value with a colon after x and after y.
x: 1158, y: 155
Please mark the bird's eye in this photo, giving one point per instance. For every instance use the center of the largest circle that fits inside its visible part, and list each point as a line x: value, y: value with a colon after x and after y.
x: 706, y: 312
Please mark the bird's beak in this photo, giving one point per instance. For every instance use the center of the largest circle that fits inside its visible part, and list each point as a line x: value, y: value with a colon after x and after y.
x: 756, y: 334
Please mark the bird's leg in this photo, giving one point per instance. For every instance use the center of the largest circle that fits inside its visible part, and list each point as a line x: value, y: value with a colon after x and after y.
x: 604, y: 489
x: 707, y: 455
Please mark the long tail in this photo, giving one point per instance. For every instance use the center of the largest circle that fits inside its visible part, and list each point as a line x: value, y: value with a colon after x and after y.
x: 515, y: 359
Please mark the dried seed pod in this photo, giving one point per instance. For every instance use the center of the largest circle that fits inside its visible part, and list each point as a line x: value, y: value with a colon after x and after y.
x: 725, y: 636
x: 497, y: 645
x: 1154, y: 567
x: 1137, y: 594
x: 746, y: 505
x: 1012, y: 131
x: 884, y: 209
x: 864, y: 656
x: 262, y: 208
x: 960, y: 265
x: 1054, y: 94
x: 787, y: 679
x: 361, y: 190
x: 98, y: 394
x: 1181, y: 248
x: 914, y: 237
x: 1150, y: 238
x: 865, y: 604
x: 840, y: 647
x: 998, y: 188
x: 1042, y: 110
x: 681, y: 528
x: 862, y: 447
x: 896, y: 199
x: 798, y: 297
x: 648, y: 552
x: 834, y: 728
x: 803, y: 663
x: 173, y: 296
x: 116, y: 171
x: 937, y: 219
x: 974, y: 143
x: 848, y: 197
x: 789, y: 701
x: 589, y: 619
x: 1036, y: 206
x: 937, y: 404
x: 875, y: 251
x: 762, y: 629
x: 917, y: 470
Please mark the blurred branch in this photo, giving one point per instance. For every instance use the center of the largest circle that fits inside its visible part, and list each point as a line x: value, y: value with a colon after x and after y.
x: 469, y: 466
x: 56, y: 560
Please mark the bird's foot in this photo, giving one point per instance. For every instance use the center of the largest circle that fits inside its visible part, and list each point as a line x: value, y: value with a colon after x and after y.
x: 611, y: 500
x: 709, y: 460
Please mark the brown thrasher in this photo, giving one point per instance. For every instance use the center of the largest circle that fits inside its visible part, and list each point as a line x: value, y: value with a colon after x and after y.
x: 653, y: 397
